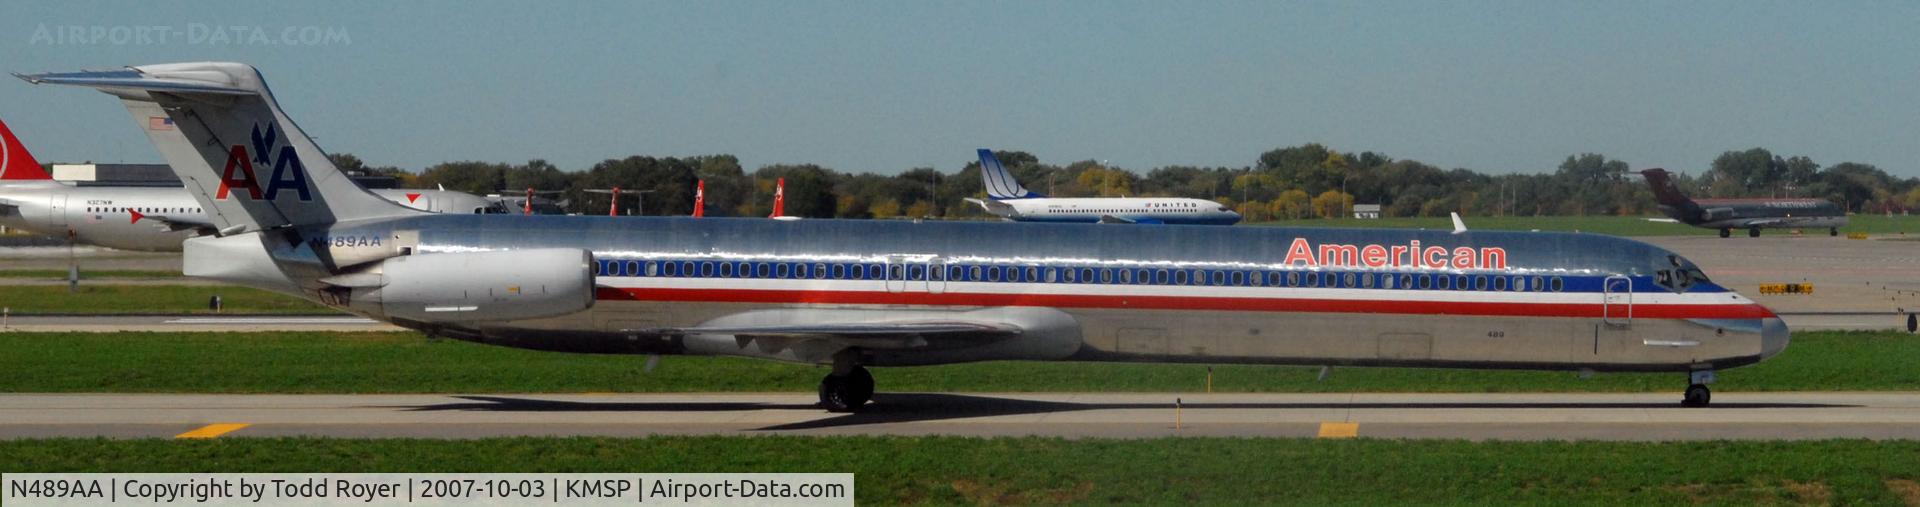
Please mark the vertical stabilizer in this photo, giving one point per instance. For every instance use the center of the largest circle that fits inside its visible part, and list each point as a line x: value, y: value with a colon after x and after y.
x: 700, y: 199
x: 999, y: 182
x: 15, y: 162
x: 1664, y: 191
x: 779, y: 198
x: 224, y: 135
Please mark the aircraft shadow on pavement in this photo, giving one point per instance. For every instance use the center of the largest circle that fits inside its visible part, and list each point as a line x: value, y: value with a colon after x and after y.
x: 890, y: 408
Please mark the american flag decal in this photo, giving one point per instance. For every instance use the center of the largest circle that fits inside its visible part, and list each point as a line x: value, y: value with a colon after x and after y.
x: 159, y: 123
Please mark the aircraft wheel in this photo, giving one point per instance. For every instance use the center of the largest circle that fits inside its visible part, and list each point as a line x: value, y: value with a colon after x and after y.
x: 1726, y: 233
x: 1753, y: 233
x: 1833, y: 231
x: 1697, y: 396
x: 846, y: 393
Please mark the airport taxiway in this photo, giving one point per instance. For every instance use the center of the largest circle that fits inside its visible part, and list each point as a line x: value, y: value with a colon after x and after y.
x: 1476, y: 416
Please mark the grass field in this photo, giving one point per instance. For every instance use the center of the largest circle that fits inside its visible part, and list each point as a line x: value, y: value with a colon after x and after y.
x: 1618, y: 226
x: 1207, y: 471
x: 112, y: 299
x: 106, y: 274
x: 408, y: 363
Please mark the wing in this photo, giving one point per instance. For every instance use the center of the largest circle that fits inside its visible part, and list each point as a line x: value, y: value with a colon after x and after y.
x: 199, y: 225
x: 903, y: 334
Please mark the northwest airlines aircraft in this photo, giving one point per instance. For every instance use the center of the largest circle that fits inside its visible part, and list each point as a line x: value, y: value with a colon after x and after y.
x: 1750, y: 214
x: 142, y: 218
x: 855, y: 294
x: 1007, y: 199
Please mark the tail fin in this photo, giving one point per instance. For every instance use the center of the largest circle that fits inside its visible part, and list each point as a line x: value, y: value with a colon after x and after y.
x: 207, y: 115
x: 1663, y: 188
x: 1000, y: 183
x: 15, y: 162
x: 700, y: 199
x: 779, y: 198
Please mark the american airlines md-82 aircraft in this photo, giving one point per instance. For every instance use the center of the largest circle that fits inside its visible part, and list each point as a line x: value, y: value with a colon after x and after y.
x: 856, y: 294
x: 1007, y: 199
x: 142, y: 218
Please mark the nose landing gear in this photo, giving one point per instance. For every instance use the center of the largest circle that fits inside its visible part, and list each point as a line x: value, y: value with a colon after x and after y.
x: 1697, y: 393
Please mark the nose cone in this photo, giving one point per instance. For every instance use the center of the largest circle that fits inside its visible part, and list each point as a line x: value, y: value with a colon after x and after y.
x: 1773, y: 337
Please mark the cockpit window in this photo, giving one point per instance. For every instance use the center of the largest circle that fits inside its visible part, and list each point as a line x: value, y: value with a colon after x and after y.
x: 1679, y: 279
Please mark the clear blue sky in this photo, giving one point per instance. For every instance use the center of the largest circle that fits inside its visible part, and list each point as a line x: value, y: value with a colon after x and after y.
x: 887, y: 86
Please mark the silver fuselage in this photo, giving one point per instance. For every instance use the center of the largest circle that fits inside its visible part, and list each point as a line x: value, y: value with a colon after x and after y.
x: 1172, y: 293
x: 105, y: 215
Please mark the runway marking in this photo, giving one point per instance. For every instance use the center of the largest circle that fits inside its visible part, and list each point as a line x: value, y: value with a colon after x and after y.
x: 213, y: 430
x: 1339, y: 430
x: 273, y: 320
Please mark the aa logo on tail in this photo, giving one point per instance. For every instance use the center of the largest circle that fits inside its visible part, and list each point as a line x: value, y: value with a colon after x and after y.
x: 288, y: 172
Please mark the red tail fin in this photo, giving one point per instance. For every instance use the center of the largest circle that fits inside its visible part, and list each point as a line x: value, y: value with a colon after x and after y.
x: 613, y: 210
x: 15, y: 162
x: 779, y: 198
x: 700, y: 199
x: 1663, y: 188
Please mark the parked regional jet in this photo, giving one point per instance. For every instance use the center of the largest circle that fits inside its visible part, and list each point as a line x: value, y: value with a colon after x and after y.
x: 1750, y: 214
x: 855, y: 294
x: 780, y: 201
x: 142, y: 218
x: 1007, y: 199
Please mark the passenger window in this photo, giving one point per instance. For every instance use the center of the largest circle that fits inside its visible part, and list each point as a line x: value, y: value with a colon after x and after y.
x: 1293, y: 278
x: 1558, y: 285
x: 1347, y: 280
x: 993, y: 274
x: 706, y: 269
x: 894, y: 272
x: 726, y: 270
x: 1180, y: 277
x: 1500, y: 284
x: 1239, y: 278
x: 1425, y: 281
x: 1126, y: 276
x: 973, y: 273
x: 782, y: 270
x: 1106, y: 275
x: 1366, y: 280
x: 1086, y: 275
x: 1053, y: 275
x: 633, y: 268
x: 916, y: 272
x: 1313, y: 279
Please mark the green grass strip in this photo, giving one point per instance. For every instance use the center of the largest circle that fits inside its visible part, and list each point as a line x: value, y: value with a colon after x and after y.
x: 95, y: 298
x: 1206, y: 471
x: 409, y: 363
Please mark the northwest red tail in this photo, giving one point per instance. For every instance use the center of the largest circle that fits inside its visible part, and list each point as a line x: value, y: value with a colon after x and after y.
x: 15, y: 162
x: 700, y: 199
x: 779, y: 198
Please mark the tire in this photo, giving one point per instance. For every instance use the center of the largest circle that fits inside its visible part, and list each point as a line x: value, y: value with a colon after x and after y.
x: 1724, y: 233
x: 833, y: 395
x: 1753, y: 233
x: 1697, y: 396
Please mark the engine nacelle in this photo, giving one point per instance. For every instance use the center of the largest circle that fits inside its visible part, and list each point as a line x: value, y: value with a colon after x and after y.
x: 477, y: 286
x: 1716, y: 214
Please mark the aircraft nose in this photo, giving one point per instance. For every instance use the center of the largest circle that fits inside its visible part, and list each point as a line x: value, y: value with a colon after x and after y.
x: 1773, y: 336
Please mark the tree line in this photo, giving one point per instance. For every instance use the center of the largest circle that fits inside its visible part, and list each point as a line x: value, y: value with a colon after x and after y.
x: 1296, y: 182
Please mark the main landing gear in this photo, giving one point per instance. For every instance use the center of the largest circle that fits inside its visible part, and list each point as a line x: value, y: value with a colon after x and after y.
x: 1697, y: 393
x: 1726, y: 233
x: 846, y: 389
x: 1834, y: 231
x: 1753, y: 233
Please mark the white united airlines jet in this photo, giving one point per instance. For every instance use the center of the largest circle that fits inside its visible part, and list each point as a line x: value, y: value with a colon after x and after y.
x: 856, y: 294
x: 143, y: 218
x: 1009, y: 200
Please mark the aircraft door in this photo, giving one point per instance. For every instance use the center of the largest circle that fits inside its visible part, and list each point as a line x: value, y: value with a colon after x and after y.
x: 936, y: 275
x: 896, y: 273
x: 1616, y: 305
x: 57, y: 211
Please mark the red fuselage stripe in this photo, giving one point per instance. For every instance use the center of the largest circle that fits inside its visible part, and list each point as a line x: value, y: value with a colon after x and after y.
x: 1594, y: 310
